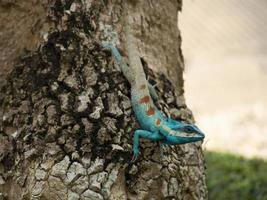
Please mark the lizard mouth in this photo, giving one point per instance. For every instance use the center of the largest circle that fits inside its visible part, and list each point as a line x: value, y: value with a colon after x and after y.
x: 186, y: 134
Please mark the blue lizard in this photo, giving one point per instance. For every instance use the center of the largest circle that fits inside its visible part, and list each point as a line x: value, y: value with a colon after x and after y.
x: 154, y: 126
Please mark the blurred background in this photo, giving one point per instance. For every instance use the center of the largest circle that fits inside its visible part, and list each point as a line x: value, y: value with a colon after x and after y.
x: 224, y: 43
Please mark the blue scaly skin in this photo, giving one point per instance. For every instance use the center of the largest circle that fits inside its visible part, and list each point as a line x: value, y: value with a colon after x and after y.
x: 154, y: 126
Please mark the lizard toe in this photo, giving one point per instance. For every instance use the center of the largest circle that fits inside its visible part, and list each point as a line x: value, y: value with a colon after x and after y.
x: 134, y: 158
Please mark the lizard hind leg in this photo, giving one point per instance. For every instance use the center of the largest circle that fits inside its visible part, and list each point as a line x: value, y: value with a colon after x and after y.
x: 153, y: 92
x: 153, y: 136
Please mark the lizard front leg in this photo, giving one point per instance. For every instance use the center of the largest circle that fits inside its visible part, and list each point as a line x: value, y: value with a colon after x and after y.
x: 153, y: 136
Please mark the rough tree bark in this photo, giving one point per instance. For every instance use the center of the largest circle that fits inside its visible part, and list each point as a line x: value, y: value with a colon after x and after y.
x: 66, y: 121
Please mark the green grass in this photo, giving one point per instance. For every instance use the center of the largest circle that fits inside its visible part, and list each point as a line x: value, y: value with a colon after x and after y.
x: 232, y: 177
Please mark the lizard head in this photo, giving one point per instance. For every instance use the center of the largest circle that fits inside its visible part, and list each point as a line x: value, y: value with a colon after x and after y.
x: 189, y: 128
x: 187, y: 133
x: 181, y: 133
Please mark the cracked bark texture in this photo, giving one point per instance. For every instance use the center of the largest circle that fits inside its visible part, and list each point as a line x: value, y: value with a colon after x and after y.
x: 67, y: 124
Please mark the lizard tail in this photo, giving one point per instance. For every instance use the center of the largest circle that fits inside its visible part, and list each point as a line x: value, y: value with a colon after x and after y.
x: 131, y: 47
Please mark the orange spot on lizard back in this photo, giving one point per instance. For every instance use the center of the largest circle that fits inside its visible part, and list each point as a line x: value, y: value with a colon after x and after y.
x: 158, y: 122
x: 150, y: 111
x: 145, y: 99
x: 142, y: 87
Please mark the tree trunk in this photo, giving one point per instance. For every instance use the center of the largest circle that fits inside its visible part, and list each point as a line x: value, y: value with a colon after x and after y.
x: 67, y: 124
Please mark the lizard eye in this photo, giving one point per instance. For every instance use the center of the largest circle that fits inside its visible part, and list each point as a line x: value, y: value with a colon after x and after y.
x: 189, y: 129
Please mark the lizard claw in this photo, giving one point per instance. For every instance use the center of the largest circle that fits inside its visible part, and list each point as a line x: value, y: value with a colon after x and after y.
x: 134, y: 158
